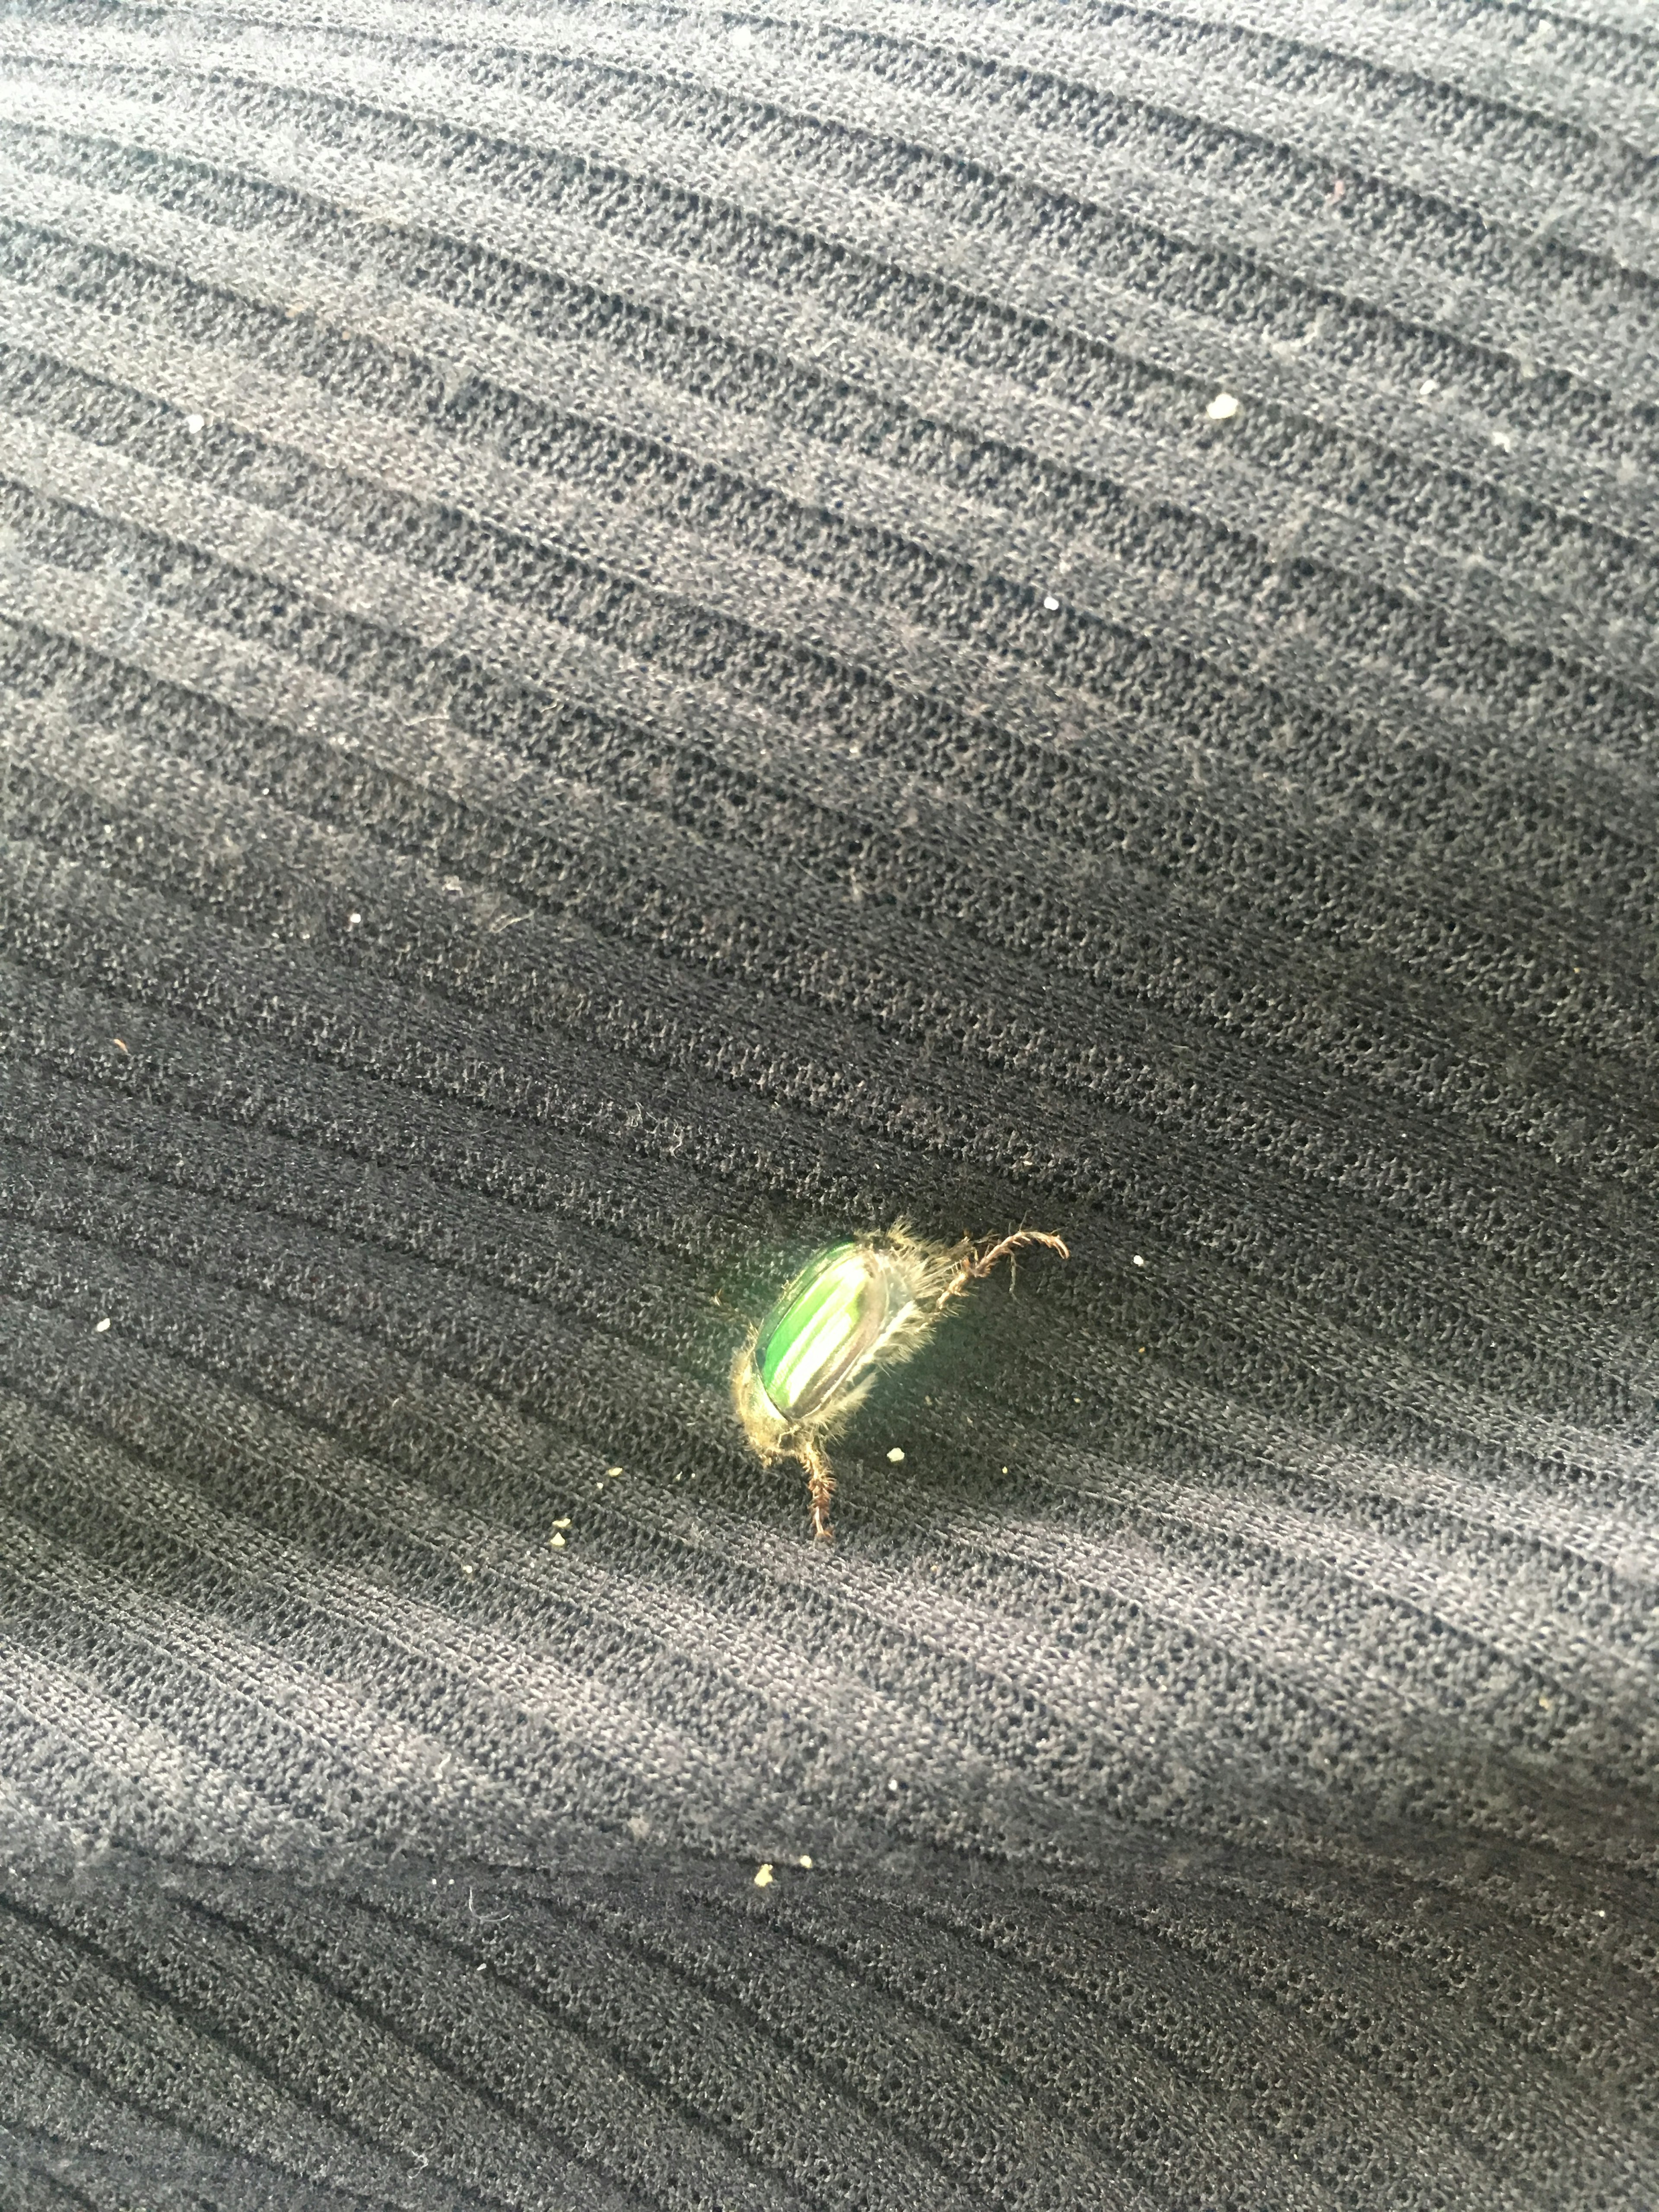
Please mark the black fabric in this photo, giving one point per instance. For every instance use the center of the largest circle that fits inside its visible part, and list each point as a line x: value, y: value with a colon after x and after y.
x: 634, y: 639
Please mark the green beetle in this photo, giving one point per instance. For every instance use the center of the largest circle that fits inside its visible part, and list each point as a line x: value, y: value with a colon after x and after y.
x: 855, y: 1309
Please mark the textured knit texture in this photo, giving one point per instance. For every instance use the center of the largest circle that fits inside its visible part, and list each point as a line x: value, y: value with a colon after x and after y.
x: 636, y: 638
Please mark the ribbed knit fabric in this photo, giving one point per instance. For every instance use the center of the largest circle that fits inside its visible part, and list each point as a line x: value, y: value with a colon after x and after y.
x: 636, y: 638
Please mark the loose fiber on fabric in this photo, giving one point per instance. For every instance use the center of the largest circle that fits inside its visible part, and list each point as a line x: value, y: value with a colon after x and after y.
x: 636, y: 638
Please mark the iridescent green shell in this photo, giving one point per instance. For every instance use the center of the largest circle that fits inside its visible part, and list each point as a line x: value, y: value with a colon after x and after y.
x: 827, y: 1327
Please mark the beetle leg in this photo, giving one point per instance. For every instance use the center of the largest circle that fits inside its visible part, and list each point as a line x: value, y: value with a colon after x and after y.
x: 978, y: 1264
x: 820, y: 1487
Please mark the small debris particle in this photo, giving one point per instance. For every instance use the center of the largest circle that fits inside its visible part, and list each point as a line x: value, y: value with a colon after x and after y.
x: 565, y: 1523
x: 354, y: 919
x: 1005, y: 1470
x: 1136, y: 1261
x: 98, y: 1327
x: 893, y: 1785
x: 556, y: 1542
x: 895, y: 1455
x: 1428, y: 387
x: 121, y: 1046
x: 1051, y: 603
x: 1338, y: 186
x: 468, y: 1572
x: 763, y: 1876
x: 613, y: 1470
x: 194, y: 424
x: 804, y: 1861
x: 1223, y: 407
